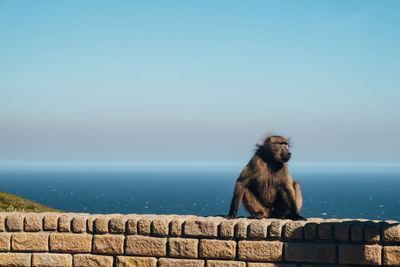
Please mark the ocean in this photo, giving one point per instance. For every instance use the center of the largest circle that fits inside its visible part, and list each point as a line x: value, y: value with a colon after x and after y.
x: 331, y: 191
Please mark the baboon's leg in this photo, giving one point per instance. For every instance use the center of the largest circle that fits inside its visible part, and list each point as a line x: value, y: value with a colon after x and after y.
x: 298, y: 195
x: 254, y: 206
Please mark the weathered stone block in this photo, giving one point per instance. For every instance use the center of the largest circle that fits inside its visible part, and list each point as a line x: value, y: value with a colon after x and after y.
x: 101, y: 225
x: 183, y: 247
x: 360, y: 254
x: 70, y: 242
x: 30, y: 242
x: 342, y: 231
x: 310, y: 231
x: 78, y: 224
x: 262, y: 264
x: 372, y: 233
x: 125, y: 261
x: 2, y: 223
x: 33, y: 223
x: 391, y: 256
x: 144, y: 226
x: 294, y: 230
x: 258, y: 229
x: 131, y: 226
x: 165, y: 262
x: 160, y: 227
x: 325, y: 231
x: 260, y: 250
x: 145, y: 246
x: 108, y: 244
x: 176, y: 227
x: 391, y: 233
x: 227, y: 229
x: 117, y: 225
x: 15, y: 222
x: 5, y: 241
x: 88, y: 260
x: 214, y: 263
x: 275, y: 229
x: 50, y: 222
x: 15, y: 259
x: 309, y: 252
x: 200, y: 227
x: 217, y: 249
x: 241, y: 229
x: 64, y: 223
x: 51, y: 260
x: 356, y: 233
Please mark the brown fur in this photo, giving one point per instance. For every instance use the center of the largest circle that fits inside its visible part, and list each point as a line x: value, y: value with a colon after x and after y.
x: 265, y: 185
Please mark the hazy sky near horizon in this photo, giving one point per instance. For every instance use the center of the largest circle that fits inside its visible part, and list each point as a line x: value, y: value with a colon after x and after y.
x: 199, y: 80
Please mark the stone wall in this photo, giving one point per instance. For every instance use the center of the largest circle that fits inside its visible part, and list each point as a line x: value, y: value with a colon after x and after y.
x: 65, y: 239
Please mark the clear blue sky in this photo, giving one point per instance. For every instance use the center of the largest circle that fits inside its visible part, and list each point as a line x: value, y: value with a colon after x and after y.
x: 199, y: 80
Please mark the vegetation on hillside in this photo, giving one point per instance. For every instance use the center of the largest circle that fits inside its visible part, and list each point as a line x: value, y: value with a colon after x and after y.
x: 9, y: 202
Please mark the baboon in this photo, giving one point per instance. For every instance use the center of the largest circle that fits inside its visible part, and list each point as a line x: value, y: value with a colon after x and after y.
x: 265, y: 184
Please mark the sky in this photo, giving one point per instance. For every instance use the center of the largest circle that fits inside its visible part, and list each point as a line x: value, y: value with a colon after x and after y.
x: 199, y: 81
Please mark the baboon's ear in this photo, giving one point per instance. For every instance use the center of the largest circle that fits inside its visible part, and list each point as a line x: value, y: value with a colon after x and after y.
x: 267, y: 139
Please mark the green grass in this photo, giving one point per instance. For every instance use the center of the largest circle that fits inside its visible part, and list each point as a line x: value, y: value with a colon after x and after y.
x: 9, y: 202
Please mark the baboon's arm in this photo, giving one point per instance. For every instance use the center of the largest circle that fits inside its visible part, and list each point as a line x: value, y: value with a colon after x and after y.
x: 290, y: 199
x: 236, y: 199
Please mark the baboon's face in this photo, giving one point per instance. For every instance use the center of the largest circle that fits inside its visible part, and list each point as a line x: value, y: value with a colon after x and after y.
x: 279, y: 148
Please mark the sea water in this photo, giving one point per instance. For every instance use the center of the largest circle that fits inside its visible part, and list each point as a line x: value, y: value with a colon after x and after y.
x: 344, y: 191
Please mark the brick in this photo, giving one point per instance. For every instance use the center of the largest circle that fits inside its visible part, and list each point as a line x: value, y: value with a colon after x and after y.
x: 90, y: 224
x: 275, y: 229
x: 164, y: 262
x: 372, y: 233
x: 30, y: 242
x: 294, y: 230
x: 2, y: 223
x: 310, y: 231
x: 51, y: 259
x: 325, y: 231
x: 5, y: 241
x: 241, y: 229
x: 360, y: 254
x: 15, y: 222
x: 145, y: 246
x: 131, y: 226
x: 260, y: 250
x: 78, y: 224
x: 100, y: 225
x: 356, y: 233
x: 391, y: 233
x: 227, y: 229
x: 214, y: 263
x: 309, y: 252
x: 217, y: 249
x: 258, y: 229
x: 144, y: 226
x: 262, y: 264
x: 198, y: 227
x: 176, y: 227
x: 183, y: 247
x: 117, y: 225
x: 33, y: 223
x: 342, y: 231
x: 125, y: 261
x: 64, y: 223
x: 70, y: 242
x: 160, y: 227
x: 108, y: 244
x: 87, y: 260
x: 391, y: 256
x: 15, y: 259
x: 50, y: 222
